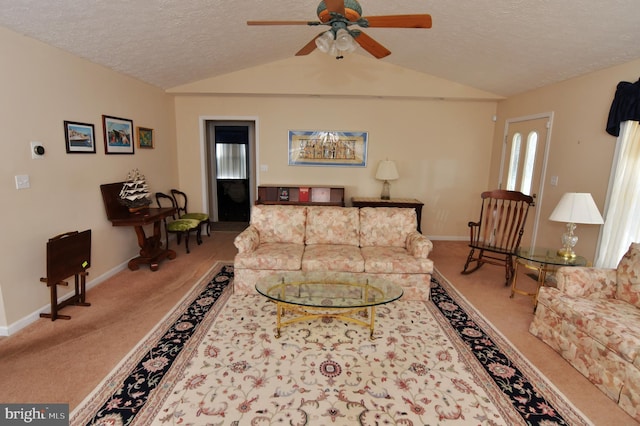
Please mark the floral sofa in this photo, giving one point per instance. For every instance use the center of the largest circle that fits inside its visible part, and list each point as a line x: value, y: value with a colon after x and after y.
x: 382, y: 242
x: 592, y: 319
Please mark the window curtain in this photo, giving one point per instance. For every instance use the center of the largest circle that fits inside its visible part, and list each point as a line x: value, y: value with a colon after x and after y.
x: 231, y: 161
x: 622, y: 225
x: 625, y: 106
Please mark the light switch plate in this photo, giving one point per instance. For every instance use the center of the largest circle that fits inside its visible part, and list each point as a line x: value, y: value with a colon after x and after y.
x: 22, y: 182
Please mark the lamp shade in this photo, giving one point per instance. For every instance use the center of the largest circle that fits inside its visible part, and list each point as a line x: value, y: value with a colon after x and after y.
x: 577, y: 207
x: 387, y: 170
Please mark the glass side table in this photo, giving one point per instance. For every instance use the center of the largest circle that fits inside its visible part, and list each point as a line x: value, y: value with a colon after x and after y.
x: 542, y: 260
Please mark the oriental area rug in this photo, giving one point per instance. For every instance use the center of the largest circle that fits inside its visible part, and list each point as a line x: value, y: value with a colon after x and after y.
x: 214, y: 360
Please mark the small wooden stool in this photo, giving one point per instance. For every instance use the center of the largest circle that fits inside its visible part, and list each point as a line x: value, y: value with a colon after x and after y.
x: 68, y: 254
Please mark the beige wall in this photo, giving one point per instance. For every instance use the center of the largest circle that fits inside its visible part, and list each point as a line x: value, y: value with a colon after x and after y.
x: 580, y: 152
x: 439, y: 133
x: 41, y: 87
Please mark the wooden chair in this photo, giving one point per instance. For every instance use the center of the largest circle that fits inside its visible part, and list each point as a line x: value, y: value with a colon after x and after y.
x: 495, y: 237
x: 179, y: 227
x: 181, y: 202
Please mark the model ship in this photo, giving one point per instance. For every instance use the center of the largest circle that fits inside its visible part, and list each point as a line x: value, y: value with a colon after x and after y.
x: 135, y: 192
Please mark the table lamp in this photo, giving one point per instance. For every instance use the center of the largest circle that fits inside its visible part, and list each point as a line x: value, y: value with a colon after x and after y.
x: 386, y: 171
x: 575, y: 207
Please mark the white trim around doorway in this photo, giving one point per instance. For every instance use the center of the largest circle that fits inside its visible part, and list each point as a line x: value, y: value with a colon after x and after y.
x: 540, y: 198
x: 202, y: 120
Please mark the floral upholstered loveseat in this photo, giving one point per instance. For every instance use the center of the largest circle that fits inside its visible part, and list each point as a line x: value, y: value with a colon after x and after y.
x: 592, y: 319
x: 381, y: 242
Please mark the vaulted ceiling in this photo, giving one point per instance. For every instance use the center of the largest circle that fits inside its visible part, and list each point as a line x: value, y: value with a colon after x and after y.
x: 499, y: 46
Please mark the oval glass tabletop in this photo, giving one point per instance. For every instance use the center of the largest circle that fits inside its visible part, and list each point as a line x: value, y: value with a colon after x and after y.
x: 328, y: 289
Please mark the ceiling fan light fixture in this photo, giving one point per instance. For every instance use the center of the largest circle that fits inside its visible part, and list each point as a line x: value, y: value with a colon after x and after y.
x: 344, y: 41
x: 336, y: 43
x: 325, y: 42
x: 333, y: 51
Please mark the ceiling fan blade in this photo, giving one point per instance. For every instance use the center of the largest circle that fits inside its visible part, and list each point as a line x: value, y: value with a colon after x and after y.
x: 336, y: 6
x: 309, y: 47
x: 372, y: 46
x: 282, y: 23
x: 400, y: 21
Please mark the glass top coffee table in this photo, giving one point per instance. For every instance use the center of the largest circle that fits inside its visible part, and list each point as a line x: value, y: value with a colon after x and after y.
x: 541, y: 260
x: 327, y: 294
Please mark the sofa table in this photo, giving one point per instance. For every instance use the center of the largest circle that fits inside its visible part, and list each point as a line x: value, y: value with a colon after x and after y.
x: 410, y: 203
x: 151, y: 250
x: 542, y: 260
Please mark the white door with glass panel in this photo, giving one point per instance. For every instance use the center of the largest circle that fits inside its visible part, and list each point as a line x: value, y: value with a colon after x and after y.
x: 524, y: 158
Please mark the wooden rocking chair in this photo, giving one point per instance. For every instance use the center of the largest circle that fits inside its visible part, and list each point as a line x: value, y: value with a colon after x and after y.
x: 497, y: 234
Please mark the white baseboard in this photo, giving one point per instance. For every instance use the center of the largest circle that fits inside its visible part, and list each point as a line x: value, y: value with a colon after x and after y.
x: 447, y: 238
x: 34, y: 316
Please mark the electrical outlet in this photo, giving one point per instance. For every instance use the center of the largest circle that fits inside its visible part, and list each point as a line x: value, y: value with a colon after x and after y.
x: 554, y: 180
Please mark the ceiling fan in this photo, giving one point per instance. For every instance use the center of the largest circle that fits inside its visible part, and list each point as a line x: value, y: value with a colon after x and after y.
x: 340, y: 15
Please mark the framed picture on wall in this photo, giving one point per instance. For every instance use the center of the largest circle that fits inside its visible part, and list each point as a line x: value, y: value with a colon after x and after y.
x: 145, y: 137
x: 327, y: 148
x: 79, y: 138
x: 118, y: 135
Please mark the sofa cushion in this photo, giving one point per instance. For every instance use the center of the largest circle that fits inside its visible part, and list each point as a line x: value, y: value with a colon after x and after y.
x: 628, y: 276
x: 332, y: 257
x: 283, y: 256
x: 332, y: 225
x: 386, y: 226
x: 388, y: 260
x: 279, y: 224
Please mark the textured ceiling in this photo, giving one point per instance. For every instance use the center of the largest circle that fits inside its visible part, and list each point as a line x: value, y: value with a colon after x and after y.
x: 500, y: 46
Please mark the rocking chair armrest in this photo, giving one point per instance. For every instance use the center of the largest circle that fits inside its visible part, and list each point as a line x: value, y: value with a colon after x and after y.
x: 474, y: 229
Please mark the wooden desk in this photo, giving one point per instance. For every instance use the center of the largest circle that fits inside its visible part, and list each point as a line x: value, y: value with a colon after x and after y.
x: 151, y: 251
x: 411, y: 203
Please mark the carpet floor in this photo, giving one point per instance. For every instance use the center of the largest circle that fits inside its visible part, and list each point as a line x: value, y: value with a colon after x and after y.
x: 64, y: 361
x: 214, y: 360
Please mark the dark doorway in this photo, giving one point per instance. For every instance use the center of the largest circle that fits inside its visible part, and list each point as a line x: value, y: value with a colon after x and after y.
x: 232, y: 172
